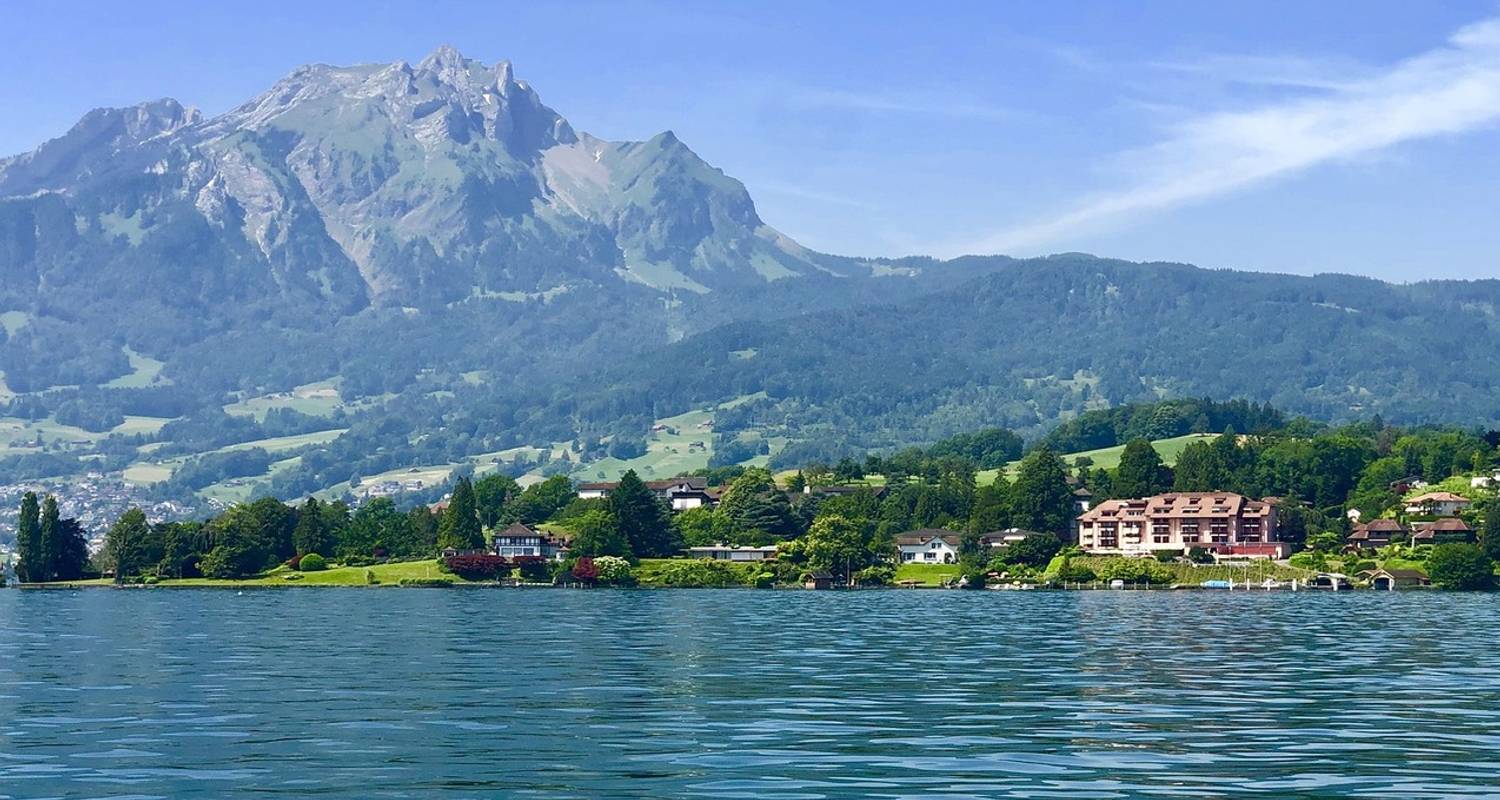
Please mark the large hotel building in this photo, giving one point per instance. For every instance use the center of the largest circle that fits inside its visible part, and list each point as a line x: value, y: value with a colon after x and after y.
x: 1225, y: 523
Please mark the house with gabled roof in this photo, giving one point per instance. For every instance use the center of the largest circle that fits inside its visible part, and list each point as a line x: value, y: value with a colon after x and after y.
x: 1438, y: 504
x: 929, y: 546
x: 1377, y: 533
x: 519, y: 540
x: 1441, y: 531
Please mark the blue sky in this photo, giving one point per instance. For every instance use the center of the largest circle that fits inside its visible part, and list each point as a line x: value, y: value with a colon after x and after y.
x: 1281, y: 136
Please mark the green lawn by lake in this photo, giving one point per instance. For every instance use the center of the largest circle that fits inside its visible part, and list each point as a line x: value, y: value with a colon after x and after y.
x: 926, y: 574
x: 387, y: 575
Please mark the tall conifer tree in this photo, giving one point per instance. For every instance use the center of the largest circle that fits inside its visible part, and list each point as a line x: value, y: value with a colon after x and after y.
x: 460, y: 527
x: 51, y: 550
x: 29, y: 540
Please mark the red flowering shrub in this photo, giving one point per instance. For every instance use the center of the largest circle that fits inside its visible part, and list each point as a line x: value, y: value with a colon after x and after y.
x: 584, y: 570
x: 477, y: 567
x: 295, y: 562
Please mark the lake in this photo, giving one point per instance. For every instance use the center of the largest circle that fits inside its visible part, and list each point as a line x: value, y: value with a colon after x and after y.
x: 349, y: 693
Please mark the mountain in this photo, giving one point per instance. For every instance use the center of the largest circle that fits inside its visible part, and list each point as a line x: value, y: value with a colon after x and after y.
x: 433, y: 262
x: 430, y: 190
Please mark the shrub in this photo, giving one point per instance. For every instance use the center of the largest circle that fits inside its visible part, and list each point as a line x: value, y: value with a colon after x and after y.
x: 1073, y: 572
x: 295, y: 562
x: 312, y: 562
x: 1167, y: 556
x: 477, y: 566
x: 972, y: 578
x: 689, y: 574
x: 585, y: 571
x: 1464, y: 567
x: 533, y: 568
x: 875, y: 575
x: 1133, y: 570
x: 614, y: 571
x: 1200, y: 555
x: 427, y: 583
x: 764, y: 580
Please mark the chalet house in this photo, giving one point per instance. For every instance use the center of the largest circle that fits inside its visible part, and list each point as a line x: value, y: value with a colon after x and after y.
x: 928, y: 546
x: 679, y: 493
x: 1224, y: 523
x: 1440, y: 531
x: 1437, y: 504
x: 520, y: 541
x: 731, y: 552
x: 1392, y: 579
x: 1377, y: 533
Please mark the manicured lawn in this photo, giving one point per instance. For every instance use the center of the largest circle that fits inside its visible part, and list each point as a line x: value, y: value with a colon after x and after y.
x: 926, y: 574
x: 386, y: 574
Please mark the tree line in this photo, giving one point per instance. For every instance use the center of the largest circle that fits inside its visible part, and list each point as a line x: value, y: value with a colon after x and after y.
x: 49, y: 547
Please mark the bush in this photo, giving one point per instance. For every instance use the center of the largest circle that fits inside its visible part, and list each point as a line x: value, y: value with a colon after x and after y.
x: 585, y: 571
x: 691, y: 574
x: 427, y: 583
x: 477, y: 567
x: 764, y: 580
x: 1073, y: 572
x: 533, y: 568
x: 972, y: 579
x: 1168, y: 556
x: 1133, y: 570
x: 614, y: 571
x: 312, y: 562
x: 875, y: 575
x: 1200, y: 555
x: 1464, y: 567
x: 370, y: 579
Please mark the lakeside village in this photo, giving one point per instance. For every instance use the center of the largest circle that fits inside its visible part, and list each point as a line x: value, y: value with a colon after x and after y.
x: 1309, y: 507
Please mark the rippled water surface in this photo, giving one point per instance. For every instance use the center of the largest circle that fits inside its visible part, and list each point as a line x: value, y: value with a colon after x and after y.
x: 538, y: 693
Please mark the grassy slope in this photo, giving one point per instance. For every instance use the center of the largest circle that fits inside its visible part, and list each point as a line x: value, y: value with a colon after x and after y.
x: 1109, y: 457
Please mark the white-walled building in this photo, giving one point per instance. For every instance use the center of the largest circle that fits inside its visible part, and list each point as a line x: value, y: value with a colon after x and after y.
x: 928, y: 546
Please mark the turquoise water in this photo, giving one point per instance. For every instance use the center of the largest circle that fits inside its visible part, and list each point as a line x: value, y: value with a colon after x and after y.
x: 737, y: 694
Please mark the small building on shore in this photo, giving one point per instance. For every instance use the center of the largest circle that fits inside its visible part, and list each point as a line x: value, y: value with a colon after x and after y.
x: 1393, y: 579
x: 733, y: 552
x: 818, y: 580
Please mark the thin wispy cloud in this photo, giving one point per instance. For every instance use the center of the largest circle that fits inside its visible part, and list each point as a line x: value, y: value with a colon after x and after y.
x: 1449, y: 90
x: 810, y: 98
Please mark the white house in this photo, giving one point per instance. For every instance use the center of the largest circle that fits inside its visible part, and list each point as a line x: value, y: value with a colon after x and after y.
x: 732, y: 552
x: 928, y: 546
